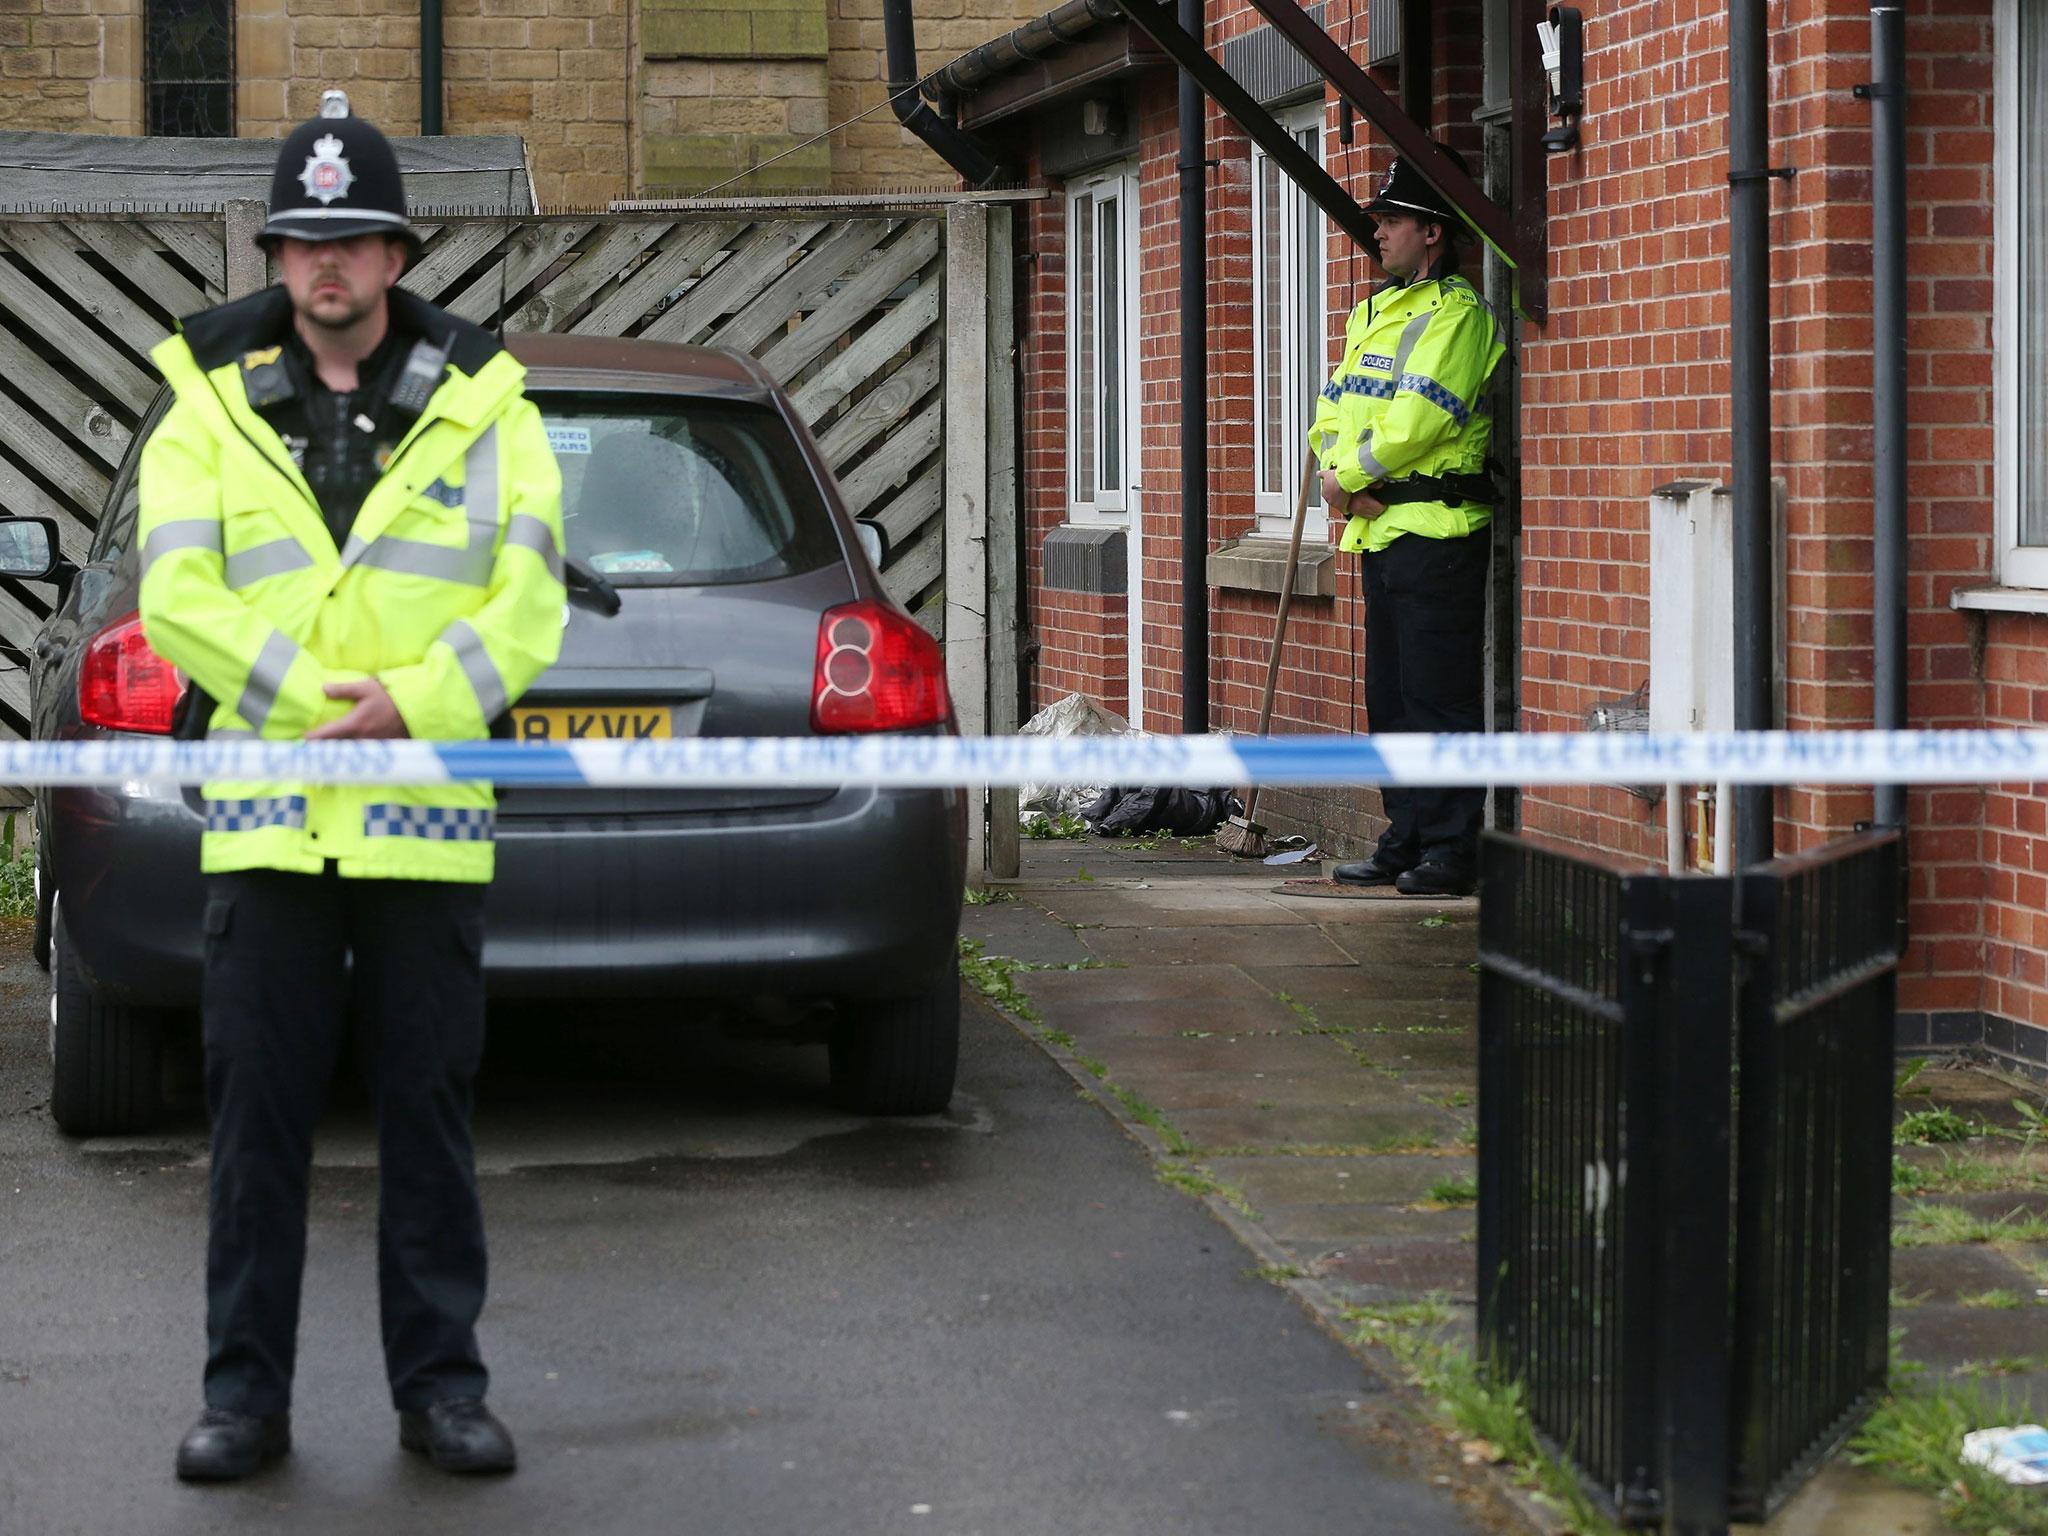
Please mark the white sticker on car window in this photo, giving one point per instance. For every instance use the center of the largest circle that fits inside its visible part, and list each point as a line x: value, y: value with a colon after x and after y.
x: 568, y: 439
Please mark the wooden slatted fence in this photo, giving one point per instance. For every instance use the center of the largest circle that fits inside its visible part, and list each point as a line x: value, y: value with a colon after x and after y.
x: 846, y: 311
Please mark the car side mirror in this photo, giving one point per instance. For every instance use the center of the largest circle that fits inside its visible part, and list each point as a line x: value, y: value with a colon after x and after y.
x: 28, y: 548
x: 874, y: 538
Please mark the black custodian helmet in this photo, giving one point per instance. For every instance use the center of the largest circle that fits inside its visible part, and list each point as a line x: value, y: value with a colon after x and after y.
x: 1403, y: 190
x: 336, y: 176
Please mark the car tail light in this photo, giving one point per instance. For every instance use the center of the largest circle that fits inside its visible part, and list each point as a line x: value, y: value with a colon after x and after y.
x: 125, y: 686
x: 877, y: 671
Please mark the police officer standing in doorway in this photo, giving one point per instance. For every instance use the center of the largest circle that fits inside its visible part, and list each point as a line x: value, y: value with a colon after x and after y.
x: 1401, y: 435
x: 350, y: 528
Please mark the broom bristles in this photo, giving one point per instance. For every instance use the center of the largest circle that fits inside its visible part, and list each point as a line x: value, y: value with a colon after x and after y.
x: 1242, y: 839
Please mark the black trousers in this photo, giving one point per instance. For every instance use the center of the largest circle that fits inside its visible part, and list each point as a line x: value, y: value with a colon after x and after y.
x: 1425, y: 670
x: 294, y: 963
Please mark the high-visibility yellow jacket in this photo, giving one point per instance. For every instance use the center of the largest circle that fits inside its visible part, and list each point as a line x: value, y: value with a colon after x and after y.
x: 448, y: 591
x: 1409, y: 398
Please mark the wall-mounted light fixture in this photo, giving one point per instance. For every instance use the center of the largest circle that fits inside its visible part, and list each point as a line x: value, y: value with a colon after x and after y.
x: 1564, y: 58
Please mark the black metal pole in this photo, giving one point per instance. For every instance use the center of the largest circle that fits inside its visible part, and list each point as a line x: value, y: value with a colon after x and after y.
x: 430, y: 66
x: 1749, y: 380
x: 1194, y: 400
x: 1888, y: 367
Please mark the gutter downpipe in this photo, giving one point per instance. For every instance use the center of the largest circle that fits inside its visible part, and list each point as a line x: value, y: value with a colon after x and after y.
x: 1887, y: 92
x: 1194, y: 400
x: 899, y: 37
x: 430, y: 67
x: 1749, y: 377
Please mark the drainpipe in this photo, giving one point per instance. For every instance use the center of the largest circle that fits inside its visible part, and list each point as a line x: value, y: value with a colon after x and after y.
x: 1749, y: 234
x: 1887, y: 94
x: 430, y: 66
x: 1194, y: 399
x: 899, y: 36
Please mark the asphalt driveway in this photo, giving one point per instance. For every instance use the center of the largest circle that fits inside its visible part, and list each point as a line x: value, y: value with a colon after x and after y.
x: 717, y: 1305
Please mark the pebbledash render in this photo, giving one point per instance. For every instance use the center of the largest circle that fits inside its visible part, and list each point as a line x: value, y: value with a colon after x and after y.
x: 1619, y: 394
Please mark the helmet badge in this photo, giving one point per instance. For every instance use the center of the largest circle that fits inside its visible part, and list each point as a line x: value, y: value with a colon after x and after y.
x: 327, y: 174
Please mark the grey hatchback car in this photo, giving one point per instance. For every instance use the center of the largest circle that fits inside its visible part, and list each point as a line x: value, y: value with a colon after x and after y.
x: 717, y: 587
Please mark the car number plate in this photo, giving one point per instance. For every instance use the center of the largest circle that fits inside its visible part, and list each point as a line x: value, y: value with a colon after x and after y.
x: 631, y: 722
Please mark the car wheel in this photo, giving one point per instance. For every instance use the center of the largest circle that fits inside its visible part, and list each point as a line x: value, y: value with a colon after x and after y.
x: 106, y: 1058
x: 46, y: 897
x: 899, y: 1055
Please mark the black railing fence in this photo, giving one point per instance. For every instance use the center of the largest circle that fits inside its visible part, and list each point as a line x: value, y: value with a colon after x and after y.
x: 1682, y: 1224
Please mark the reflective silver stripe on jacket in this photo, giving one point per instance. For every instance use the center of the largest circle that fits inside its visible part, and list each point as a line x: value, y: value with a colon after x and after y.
x: 529, y: 532
x: 462, y: 638
x: 436, y: 823
x: 266, y: 678
x: 468, y: 566
x: 254, y: 815
x: 1374, y: 469
x: 1410, y: 334
x: 182, y: 533
x: 246, y: 567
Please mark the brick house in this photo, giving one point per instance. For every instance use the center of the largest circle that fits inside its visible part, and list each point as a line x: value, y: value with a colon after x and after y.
x: 615, y: 98
x: 1618, y: 410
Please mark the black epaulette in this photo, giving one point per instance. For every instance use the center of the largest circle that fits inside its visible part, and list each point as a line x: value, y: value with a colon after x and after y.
x: 420, y: 377
x: 265, y: 379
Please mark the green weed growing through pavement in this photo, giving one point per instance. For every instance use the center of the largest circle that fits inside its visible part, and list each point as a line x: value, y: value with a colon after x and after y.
x: 995, y: 978
x: 1065, y: 826
x: 1453, y: 1192
x: 1476, y: 1402
x: 989, y: 896
x: 1916, y: 1438
x: 1930, y: 1226
x: 1908, y: 1075
x: 1926, y: 1127
x: 1193, y: 1180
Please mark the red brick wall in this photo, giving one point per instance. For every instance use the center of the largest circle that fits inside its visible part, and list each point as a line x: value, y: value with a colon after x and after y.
x: 1626, y: 388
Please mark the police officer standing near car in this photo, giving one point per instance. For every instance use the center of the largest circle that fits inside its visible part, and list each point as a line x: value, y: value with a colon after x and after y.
x: 1401, y: 435
x: 350, y: 528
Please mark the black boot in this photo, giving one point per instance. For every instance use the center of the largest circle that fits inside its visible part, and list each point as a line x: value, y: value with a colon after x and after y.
x: 1372, y: 871
x: 458, y: 1434
x: 1434, y: 877
x: 225, y: 1446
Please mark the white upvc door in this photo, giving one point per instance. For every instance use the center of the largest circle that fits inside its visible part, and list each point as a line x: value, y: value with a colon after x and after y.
x: 1102, y: 379
x: 1290, y: 239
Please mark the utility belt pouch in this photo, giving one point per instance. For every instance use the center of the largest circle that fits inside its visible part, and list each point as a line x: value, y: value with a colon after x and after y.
x: 1449, y: 489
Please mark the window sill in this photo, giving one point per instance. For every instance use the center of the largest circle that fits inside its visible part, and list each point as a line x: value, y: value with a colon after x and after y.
x: 1258, y: 565
x: 2000, y: 599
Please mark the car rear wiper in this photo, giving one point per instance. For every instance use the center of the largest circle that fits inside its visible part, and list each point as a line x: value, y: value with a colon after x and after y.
x: 585, y: 578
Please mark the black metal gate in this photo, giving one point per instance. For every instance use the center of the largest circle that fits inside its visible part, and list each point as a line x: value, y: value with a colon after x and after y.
x: 1683, y: 1240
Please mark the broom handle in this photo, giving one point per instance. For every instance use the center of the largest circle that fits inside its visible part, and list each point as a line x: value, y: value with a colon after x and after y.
x: 1308, y: 477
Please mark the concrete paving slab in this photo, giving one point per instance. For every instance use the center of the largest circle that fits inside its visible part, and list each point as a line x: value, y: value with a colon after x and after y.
x: 1321, y: 1229
x: 1156, y: 908
x: 1233, y: 1090
x: 1245, y: 1054
x: 1360, y: 988
x: 1944, y: 1335
x: 1850, y: 1501
x: 1143, y: 983
x: 1315, y: 1126
x: 1024, y: 932
x: 1167, y: 1018
x: 1405, y: 1267
x: 1392, y: 1179
x: 1236, y: 944
x: 1943, y: 1274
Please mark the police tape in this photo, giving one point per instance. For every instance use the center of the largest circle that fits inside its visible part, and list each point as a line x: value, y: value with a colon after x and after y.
x: 909, y: 762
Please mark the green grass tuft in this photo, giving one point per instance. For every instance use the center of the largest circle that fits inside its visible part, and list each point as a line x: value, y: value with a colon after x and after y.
x: 1916, y: 1438
x: 1926, y: 1127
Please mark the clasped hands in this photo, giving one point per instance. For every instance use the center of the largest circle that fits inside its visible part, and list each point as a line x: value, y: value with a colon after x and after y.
x: 1349, y: 503
x: 374, y: 718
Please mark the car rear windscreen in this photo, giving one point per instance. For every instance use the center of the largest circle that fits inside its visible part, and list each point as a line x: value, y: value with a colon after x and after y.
x: 671, y: 493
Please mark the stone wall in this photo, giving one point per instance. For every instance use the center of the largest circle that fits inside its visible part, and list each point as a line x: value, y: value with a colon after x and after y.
x: 71, y: 66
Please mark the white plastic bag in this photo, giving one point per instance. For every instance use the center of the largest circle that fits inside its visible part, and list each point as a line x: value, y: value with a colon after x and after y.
x: 1074, y: 715
x: 2018, y: 1454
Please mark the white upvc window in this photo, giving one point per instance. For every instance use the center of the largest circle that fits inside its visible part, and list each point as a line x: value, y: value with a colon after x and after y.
x: 1102, y: 351
x: 1290, y: 246
x: 2020, y: 326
